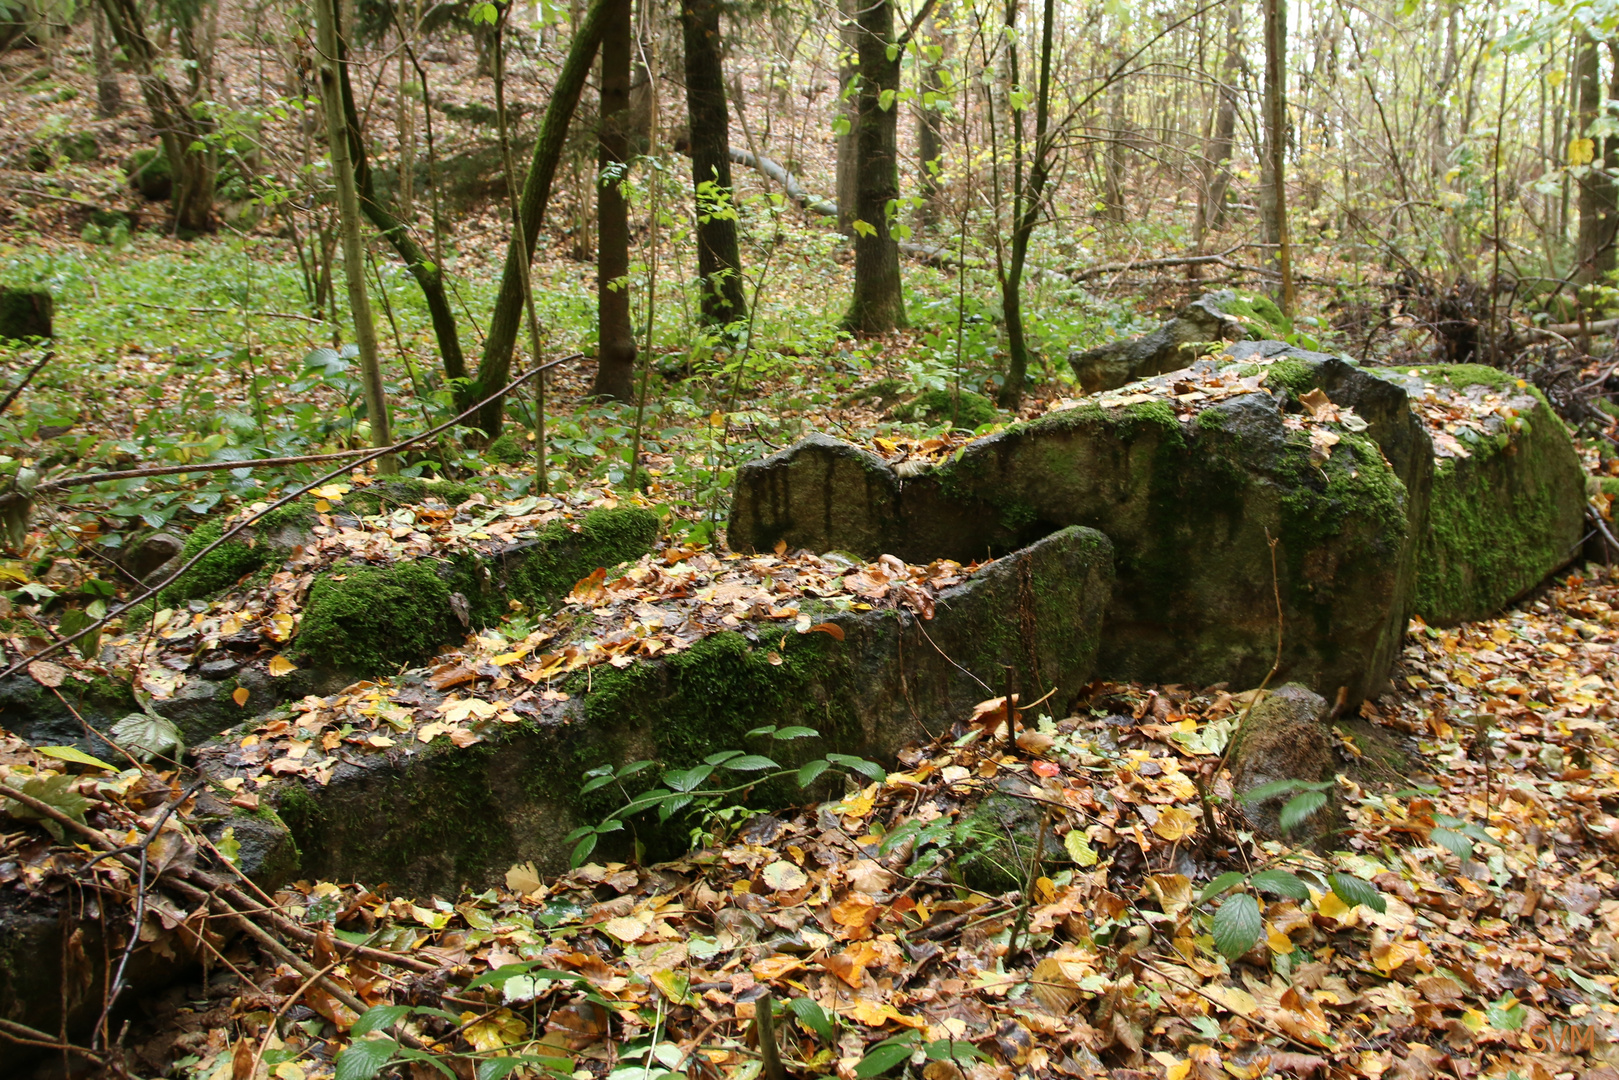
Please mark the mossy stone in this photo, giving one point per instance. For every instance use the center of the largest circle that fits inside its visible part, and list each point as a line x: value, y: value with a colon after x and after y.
x: 374, y: 620
x: 971, y: 410
x: 996, y: 842
x: 25, y: 312
x: 219, y: 569
x: 508, y: 449
x: 148, y: 172
x: 1510, y: 513
x: 406, y: 491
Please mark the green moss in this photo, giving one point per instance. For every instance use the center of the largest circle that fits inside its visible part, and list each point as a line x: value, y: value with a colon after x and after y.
x: 219, y: 569
x: 974, y: 410
x: 406, y: 491
x: 1610, y: 485
x: 375, y: 620
x: 1265, y: 318
x: 1461, y: 376
x: 509, y: 449
x: 297, y: 515
x: 995, y: 843
x: 149, y: 173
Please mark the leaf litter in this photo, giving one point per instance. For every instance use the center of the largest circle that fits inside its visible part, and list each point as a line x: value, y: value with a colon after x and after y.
x: 1496, y: 949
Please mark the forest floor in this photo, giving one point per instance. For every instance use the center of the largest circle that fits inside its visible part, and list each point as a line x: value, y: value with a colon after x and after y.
x: 1480, y: 797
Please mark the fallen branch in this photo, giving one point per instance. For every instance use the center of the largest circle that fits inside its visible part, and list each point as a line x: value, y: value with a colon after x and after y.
x: 1603, y: 326
x: 373, y: 455
x: 177, y: 470
x: 229, y: 311
x: 27, y: 378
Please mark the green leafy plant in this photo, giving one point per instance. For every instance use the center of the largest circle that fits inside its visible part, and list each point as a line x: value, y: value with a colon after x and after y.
x: 1238, y: 922
x: 702, y: 790
x: 1309, y: 796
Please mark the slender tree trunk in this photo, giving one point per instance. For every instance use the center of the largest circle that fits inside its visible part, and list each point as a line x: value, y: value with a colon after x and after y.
x: 179, y: 127
x: 879, y: 304
x: 429, y: 274
x: 109, y: 98
x: 1274, y: 202
x: 1598, y: 198
x: 348, y: 210
x: 615, y: 348
x: 1217, y: 162
x: 849, y: 113
x: 506, y: 319
x: 929, y: 131
x: 719, y: 262
x: 1114, y: 208
x: 1026, y: 215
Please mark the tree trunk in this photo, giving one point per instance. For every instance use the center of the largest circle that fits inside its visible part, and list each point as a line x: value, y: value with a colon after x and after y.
x: 1026, y: 203
x: 930, y: 133
x: 1598, y: 198
x: 109, y: 98
x: 615, y: 345
x: 348, y: 210
x: 849, y: 113
x: 879, y: 304
x: 429, y: 275
x: 1217, y: 162
x: 1114, y: 208
x: 719, y: 262
x: 495, y: 367
x: 1273, y: 202
x: 179, y: 127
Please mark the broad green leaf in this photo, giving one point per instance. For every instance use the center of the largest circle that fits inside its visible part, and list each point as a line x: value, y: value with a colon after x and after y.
x: 812, y: 1016
x: 1270, y: 790
x: 592, y: 785
x: 864, y: 228
x: 55, y: 792
x: 73, y: 754
x: 1219, y: 885
x: 811, y: 771
x: 1237, y: 925
x: 722, y: 757
x: 363, y: 1058
x: 577, y: 833
x: 882, y: 1057
x: 378, y: 1018
x: 751, y: 763
x: 1281, y: 883
x: 1352, y: 890
x: 582, y: 850
x: 795, y: 732
x: 768, y: 729
x: 1454, y: 842
x: 148, y: 736
x: 1299, y: 809
x: 523, y: 967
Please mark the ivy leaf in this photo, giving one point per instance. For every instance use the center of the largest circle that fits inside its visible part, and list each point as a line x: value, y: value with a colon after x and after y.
x: 1237, y: 925
x: 1281, y: 883
x: 362, y: 1059
x: 1352, y: 890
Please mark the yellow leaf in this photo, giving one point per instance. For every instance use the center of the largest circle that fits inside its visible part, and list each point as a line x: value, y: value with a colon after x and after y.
x: 501, y: 1029
x: 523, y: 878
x: 1555, y: 77
x: 322, y: 506
x: 335, y: 492
x: 1581, y: 151
x: 1079, y: 848
x: 1278, y: 942
x: 280, y: 665
x: 239, y: 695
x: 1175, y: 824
x: 626, y: 928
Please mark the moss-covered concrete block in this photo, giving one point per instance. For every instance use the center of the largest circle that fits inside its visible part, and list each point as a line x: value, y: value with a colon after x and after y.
x: 1509, y: 492
x: 966, y: 410
x: 373, y: 620
x: 1191, y: 496
x: 437, y: 817
x: 1225, y: 315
